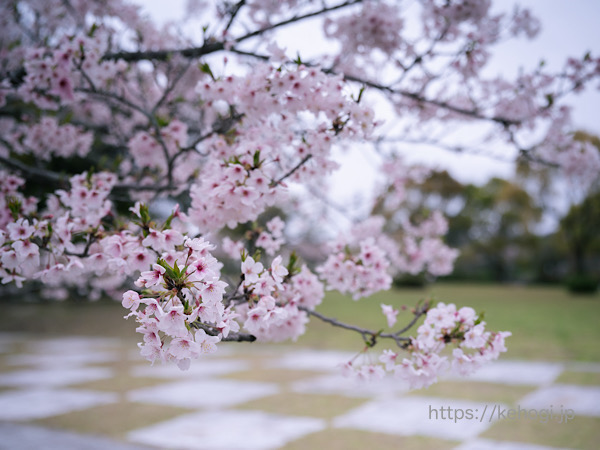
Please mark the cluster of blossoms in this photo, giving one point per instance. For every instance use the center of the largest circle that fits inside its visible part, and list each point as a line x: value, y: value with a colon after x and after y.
x: 69, y: 213
x: 146, y: 150
x: 411, y: 247
x: 183, y: 312
x: 157, y: 152
x: 10, y: 197
x: 271, y: 239
x: 398, y: 175
x: 376, y: 26
x: 364, y: 261
x: 52, y: 75
x: 444, y: 326
x: 87, y: 201
x: 276, y: 296
x: 290, y: 119
x: 69, y: 243
x: 523, y: 22
x: 18, y: 255
x: 422, y: 248
x: 523, y: 107
x: 580, y: 160
x: 361, y: 272
x: 232, y: 192
x: 175, y: 299
x: 48, y: 138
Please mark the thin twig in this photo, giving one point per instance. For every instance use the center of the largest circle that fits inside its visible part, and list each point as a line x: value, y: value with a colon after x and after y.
x: 234, y: 13
x: 417, y: 314
x: 369, y: 336
x: 170, y: 87
x: 291, y: 172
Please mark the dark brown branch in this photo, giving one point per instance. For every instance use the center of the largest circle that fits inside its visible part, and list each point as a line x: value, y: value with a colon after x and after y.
x: 233, y: 295
x: 212, y: 47
x: 419, y: 98
x: 91, y: 238
x: 239, y: 337
x: 171, y: 87
x: 117, y: 98
x: 297, y: 19
x: 164, y: 55
x: 31, y: 172
x: 221, y: 127
x: 369, y: 336
x: 234, y: 13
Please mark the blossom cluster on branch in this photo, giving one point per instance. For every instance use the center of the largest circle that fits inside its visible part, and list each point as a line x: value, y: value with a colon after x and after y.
x: 106, y: 116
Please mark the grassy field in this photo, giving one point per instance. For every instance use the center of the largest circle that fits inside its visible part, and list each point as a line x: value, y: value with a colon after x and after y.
x: 547, y: 323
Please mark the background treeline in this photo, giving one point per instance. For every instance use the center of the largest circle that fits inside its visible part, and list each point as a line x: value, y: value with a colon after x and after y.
x: 539, y: 227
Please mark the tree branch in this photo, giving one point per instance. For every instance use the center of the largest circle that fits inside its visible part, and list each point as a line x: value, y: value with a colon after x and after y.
x: 418, y: 312
x: 297, y: 19
x: 369, y: 336
x: 231, y: 337
x: 291, y: 172
x: 171, y: 87
x: 212, y: 47
x: 234, y: 13
x: 419, y: 98
x: 31, y: 172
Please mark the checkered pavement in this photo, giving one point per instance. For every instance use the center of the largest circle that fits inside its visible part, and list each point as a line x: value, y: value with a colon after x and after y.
x: 82, y: 392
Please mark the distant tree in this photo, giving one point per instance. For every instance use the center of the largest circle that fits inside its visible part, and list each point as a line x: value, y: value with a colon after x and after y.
x: 495, y: 227
x: 580, y: 230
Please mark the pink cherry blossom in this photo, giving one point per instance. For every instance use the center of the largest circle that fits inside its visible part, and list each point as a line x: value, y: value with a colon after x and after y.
x: 251, y: 270
x: 152, y: 277
x: 390, y: 313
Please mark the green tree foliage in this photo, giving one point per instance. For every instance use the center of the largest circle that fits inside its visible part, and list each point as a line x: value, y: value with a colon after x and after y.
x: 495, y: 229
x: 580, y: 228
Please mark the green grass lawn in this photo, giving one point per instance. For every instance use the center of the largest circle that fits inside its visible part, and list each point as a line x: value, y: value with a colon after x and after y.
x: 547, y: 323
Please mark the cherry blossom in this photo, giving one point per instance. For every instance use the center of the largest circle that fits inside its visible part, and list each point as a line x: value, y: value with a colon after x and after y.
x: 390, y: 313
